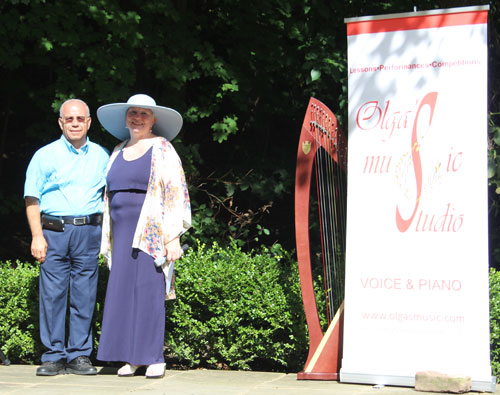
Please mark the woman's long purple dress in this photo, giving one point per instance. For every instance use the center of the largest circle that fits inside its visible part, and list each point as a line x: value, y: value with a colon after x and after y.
x: 133, y: 324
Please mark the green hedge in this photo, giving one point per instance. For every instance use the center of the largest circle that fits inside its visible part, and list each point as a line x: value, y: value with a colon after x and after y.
x: 19, y: 325
x: 237, y: 310
x: 19, y: 330
x: 233, y: 310
x: 495, y: 322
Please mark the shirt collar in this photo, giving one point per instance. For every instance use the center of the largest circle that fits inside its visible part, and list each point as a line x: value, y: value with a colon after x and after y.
x: 83, y: 150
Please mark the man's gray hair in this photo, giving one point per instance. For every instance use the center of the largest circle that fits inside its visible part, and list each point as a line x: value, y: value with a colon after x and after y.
x: 77, y: 100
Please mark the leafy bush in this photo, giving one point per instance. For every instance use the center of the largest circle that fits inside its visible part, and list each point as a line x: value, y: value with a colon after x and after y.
x: 19, y: 326
x: 102, y: 283
x: 19, y: 330
x: 237, y: 310
x: 495, y: 321
x: 233, y: 310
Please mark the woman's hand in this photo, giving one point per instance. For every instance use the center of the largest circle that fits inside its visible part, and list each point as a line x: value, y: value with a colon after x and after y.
x: 173, y: 249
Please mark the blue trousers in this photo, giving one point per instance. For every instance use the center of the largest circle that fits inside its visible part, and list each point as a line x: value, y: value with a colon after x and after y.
x: 71, y: 265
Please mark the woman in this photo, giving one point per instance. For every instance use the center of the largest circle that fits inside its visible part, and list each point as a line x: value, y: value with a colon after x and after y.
x: 147, y: 210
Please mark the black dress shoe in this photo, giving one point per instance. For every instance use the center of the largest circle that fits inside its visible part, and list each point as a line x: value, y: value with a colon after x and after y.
x: 80, y: 365
x: 51, y: 368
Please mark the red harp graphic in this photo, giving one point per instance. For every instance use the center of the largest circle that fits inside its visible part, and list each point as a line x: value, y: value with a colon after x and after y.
x: 321, y: 168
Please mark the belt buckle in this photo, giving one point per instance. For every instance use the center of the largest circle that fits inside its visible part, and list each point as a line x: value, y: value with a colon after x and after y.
x: 79, y: 221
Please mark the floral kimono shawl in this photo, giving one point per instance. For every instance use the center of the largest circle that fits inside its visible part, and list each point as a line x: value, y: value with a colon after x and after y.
x: 166, y: 212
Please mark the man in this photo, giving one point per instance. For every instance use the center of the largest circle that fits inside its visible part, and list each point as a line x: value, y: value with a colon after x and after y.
x: 64, y: 204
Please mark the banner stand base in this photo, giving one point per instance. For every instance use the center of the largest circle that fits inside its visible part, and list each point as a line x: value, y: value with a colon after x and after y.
x: 405, y: 381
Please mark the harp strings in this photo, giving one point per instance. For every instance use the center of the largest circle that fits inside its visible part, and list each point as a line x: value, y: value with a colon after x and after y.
x: 330, y: 183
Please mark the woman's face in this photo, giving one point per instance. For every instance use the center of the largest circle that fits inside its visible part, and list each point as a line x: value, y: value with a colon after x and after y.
x: 140, y: 120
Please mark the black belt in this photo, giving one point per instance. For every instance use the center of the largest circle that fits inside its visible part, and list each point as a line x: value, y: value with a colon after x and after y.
x: 93, y: 219
x: 56, y: 223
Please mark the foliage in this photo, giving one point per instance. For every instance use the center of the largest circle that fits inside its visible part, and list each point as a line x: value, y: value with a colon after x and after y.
x: 494, y: 134
x: 99, y: 304
x: 237, y: 310
x: 240, y: 72
x: 494, y: 188
x: 494, y: 157
x: 19, y: 311
x: 495, y: 321
x: 234, y: 309
x: 19, y: 327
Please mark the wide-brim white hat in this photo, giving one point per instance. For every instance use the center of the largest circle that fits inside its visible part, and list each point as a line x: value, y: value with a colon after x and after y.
x: 112, y: 117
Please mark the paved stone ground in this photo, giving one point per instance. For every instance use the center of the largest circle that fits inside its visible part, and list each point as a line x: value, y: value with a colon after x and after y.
x: 21, y: 379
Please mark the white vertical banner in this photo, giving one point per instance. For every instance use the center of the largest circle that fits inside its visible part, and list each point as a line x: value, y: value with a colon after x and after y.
x: 416, y: 294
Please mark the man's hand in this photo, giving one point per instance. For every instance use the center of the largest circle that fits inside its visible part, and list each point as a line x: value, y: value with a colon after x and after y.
x: 39, y: 248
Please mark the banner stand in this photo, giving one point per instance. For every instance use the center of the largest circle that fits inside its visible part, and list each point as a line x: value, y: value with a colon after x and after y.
x: 417, y: 264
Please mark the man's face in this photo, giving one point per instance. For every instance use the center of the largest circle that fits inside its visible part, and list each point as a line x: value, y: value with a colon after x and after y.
x: 75, y: 123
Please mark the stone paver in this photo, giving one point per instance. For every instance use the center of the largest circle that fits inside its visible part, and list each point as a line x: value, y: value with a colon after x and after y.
x: 21, y: 379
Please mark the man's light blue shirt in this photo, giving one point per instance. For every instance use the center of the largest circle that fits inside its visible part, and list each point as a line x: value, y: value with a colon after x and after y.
x: 67, y: 181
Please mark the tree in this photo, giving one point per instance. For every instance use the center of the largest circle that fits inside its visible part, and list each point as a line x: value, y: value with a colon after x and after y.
x: 240, y: 72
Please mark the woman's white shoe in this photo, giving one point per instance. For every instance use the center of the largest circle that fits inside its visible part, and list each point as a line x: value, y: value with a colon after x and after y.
x: 127, y: 370
x: 155, y: 371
